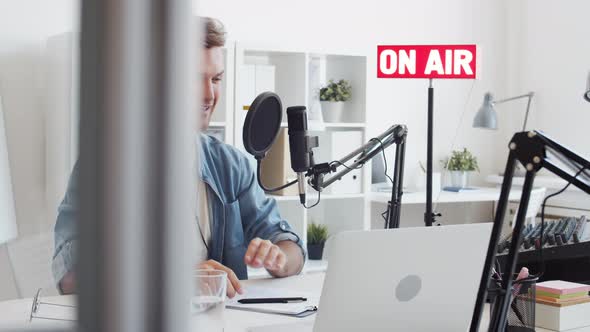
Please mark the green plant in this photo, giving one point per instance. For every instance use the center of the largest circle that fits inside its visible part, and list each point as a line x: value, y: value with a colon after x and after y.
x: 336, y: 91
x: 461, y: 161
x: 317, y: 234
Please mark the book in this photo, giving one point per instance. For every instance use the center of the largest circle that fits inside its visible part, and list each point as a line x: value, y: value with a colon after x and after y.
x: 562, y: 287
x: 574, y: 300
x: 561, y: 296
x: 551, y: 302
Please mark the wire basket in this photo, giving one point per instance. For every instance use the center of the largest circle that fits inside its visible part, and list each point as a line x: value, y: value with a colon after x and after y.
x: 521, y: 316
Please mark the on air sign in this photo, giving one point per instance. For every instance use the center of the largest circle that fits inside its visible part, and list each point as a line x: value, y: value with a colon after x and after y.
x: 426, y: 61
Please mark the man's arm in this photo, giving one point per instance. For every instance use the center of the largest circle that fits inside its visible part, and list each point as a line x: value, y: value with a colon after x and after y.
x: 65, y: 234
x: 265, y: 231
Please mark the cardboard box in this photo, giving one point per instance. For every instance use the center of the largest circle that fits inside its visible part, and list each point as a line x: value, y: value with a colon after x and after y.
x: 575, y: 317
x: 276, y: 167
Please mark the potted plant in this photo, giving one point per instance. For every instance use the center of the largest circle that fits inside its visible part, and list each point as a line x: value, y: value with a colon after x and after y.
x: 316, y: 238
x: 459, y: 165
x: 332, y: 98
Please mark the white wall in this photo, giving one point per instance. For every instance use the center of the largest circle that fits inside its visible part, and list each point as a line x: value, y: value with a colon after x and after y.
x: 520, y: 43
x: 359, y: 26
x: 25, y: 26
x: 551, y: 56
x: 355, y: 27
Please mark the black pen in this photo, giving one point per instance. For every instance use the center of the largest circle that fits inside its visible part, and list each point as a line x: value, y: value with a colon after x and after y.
x: 272, y: 300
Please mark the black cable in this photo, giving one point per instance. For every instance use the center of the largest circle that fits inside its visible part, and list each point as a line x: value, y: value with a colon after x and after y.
x: 361, y: 165
x: 259, y: 162
x: 259, y: 167
x: 345, y: 166
x: 541, y: 259
x: 385, y: 214
x: 316, y: 203
x: 384, y: 159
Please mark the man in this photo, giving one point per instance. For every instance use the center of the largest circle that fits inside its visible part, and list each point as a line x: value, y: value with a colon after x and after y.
x: 238, y: 225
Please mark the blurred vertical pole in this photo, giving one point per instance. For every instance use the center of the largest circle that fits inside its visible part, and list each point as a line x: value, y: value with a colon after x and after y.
x: 137, y: 157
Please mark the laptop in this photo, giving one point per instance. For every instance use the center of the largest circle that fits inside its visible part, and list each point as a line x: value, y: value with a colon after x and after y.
x: 407, y: 279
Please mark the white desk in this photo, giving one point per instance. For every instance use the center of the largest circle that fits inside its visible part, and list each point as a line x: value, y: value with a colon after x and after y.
x: 311, y: 266
x: 15, y: 313
x: 483, y: 194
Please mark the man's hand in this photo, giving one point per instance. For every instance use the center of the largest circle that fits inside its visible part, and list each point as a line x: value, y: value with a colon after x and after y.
x: 233, y: 283
x: 263, y: 253
x: 67, y: 284
x: 280, y: 260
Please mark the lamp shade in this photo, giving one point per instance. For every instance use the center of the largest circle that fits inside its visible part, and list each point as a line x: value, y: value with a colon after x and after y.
x: 587, y: 93
x: 486, y: 116
x: 7, y: 213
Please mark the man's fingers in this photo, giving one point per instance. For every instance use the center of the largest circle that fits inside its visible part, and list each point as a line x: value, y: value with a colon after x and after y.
x: 232, y: 279
x: 280, y: 262
x: 206, y: 266
x: 230, y: 291
x: 263, y: 250
x: 233, y: 283
x: 269, y: 261
x: 252, y: 250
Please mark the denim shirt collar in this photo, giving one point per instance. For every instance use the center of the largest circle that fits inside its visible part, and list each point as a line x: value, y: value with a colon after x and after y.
x: 216, y: 202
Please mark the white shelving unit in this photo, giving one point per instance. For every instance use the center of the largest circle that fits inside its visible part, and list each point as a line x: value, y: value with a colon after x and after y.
x: 222, y: 124
x: 287, y: 72
x: 253, y: 69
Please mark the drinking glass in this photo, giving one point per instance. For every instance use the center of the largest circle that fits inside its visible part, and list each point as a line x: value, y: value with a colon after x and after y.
x: 208, y: 301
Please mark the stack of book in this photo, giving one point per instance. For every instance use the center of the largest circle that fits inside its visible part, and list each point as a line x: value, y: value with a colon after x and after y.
x: 562, y: 292
x: 562, y: 306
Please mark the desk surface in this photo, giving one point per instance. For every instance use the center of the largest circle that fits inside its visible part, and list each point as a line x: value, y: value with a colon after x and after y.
x: 481, y: 194
x: 15, y: 313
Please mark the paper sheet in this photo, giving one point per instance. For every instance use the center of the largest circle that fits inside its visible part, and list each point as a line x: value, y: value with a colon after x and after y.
x: 275, y: 308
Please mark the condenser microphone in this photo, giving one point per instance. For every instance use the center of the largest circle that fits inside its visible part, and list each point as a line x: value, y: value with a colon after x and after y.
x: 298, y: 146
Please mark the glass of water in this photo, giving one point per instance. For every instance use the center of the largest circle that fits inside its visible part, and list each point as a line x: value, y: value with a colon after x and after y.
x: 208, y: 302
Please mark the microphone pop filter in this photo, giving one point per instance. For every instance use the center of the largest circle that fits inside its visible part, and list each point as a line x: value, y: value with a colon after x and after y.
x: 262, y: 124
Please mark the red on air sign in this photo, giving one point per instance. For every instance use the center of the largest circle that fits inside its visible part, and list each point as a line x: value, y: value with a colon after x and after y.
x: 426, y: 61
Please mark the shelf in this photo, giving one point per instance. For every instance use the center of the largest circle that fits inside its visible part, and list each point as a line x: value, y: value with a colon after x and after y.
x: 336, y: 125
x: 549, y: 182
x: 481, y: 194
x: 292, y: 74
x: 345, y: 125
x: 284, y: 198
x: 312, y: 195
x: 341, y: 196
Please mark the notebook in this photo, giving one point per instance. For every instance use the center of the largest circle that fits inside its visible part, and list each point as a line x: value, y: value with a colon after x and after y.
x: 562, y: 287
x: 298, y: 309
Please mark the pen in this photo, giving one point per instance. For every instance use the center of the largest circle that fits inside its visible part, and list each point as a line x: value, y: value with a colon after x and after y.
x: 272, y: 300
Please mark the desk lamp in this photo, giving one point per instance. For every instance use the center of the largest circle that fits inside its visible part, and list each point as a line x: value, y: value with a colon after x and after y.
x: 587, y: 93
x: 486, y: 116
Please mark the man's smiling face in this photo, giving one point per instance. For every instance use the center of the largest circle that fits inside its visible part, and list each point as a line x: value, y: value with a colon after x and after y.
x: 212, y: 70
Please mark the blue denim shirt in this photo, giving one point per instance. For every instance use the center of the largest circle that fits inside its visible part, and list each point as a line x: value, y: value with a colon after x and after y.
x: 239, y: 211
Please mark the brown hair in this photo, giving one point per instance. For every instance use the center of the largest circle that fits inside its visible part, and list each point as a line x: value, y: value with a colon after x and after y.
x: 214, y: 32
